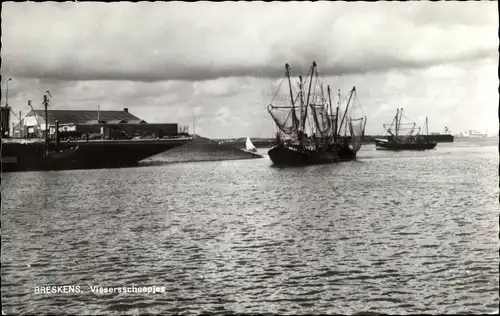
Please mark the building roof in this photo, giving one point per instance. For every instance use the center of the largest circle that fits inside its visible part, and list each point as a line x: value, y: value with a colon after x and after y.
x: 136, y: 122
x: 84, y: 116
x: 116, y: 121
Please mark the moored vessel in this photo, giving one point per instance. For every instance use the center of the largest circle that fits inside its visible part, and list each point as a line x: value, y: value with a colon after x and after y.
x: 309, y: 131
x: 396, y: 140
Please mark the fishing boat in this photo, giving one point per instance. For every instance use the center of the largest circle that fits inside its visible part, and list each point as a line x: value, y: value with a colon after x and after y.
x: 308, y: 130
x: 398, y: 140
x: 249, y: 146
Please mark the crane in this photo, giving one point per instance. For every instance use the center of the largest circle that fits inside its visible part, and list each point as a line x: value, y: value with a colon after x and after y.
x: 36, y: 116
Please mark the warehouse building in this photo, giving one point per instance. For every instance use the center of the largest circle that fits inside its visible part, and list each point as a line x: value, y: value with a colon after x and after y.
x: 97, y: 124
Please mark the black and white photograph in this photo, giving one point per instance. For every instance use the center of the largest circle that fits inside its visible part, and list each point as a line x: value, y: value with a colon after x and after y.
x: 277, y: 158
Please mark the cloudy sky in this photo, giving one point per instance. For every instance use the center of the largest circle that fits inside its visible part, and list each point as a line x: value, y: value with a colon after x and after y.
x: 168, y: 61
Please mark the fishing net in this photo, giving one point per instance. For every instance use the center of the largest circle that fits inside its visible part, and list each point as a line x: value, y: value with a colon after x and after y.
x: 342, y: 130
x: 286, y: 118
x: 402, y: 130
x: 321, y: 117
x: 357, y: 123
x: 353, y: 122
x: 285, y: 107
x: 317, y: 106
x: 351, y: 105
x: 357, y: 129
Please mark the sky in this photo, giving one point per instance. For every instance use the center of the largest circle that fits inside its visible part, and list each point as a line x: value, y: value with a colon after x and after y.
x: 218, y: 64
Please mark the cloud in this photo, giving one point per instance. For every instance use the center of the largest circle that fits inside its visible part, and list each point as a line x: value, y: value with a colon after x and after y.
x: 462, y: 97
x: 222, y: 87
x: 224, y: 62
x: 222, y: 115
x: 203, y: 41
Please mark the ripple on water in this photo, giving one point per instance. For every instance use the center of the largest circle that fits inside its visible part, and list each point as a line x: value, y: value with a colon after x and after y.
x: 397, y: 233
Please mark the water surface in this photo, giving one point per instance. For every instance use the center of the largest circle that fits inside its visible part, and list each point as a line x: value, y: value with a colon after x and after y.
x: 394, y: 232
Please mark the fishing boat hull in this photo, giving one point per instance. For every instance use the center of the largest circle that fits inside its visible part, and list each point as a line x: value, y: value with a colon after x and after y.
x: 283, y: 155
x: 382, y: 144
x: 346, y: 154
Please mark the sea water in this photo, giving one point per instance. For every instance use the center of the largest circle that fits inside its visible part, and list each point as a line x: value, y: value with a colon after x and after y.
x: 394, y: 232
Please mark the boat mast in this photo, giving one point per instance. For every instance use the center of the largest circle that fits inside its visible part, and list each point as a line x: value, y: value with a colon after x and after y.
x: 330, y: 109
x: 396, y: 121
x: 294, y: 118
x: 426, y: 126
x: 345, y: 127
x: 302, y: 120
x: 317, y: 129
x: 347, y: 107
x: 309, y: 91
x: 337, y: 130
x: 323, y: 107
x: 399, y: 121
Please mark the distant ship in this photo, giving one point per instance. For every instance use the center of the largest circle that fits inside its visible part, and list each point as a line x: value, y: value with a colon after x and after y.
x: 309, y: 131
x: 474, y: 134
x: 398, y: 141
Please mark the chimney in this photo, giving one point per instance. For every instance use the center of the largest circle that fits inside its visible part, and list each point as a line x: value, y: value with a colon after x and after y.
x: 125, y: 110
